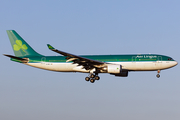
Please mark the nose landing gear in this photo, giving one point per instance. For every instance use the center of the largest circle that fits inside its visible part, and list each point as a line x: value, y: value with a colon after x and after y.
x: 158, y: 76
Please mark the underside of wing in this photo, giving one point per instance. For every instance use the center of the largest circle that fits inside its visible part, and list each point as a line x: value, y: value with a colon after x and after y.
x: 87, y: 64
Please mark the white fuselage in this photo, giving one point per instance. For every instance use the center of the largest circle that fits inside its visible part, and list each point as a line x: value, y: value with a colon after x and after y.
x: 130, y: 66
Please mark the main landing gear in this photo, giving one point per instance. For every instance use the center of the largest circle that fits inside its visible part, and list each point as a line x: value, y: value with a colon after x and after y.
x: 92, y: 78
x: 158, y: 76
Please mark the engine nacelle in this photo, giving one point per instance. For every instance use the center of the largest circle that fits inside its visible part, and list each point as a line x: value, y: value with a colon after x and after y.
x: 112, y: 68
x: 122, y: 74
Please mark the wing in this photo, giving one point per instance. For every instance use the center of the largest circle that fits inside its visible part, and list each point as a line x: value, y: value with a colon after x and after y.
x: 88, y: 64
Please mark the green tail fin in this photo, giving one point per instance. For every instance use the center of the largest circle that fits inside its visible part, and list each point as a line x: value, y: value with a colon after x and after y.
x: 20, y: 47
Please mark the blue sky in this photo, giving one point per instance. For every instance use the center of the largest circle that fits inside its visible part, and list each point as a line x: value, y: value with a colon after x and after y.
x: 84, y: 28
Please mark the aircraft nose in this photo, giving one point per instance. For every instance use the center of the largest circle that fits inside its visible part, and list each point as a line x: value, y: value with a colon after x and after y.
x: 175, y: 63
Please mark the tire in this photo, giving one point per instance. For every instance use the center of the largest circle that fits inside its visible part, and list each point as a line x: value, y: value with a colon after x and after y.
x: 92, y: 76
x: 92, y: 80
x: 97, y: 77
x: 87, y: 78
x: 158, y: 76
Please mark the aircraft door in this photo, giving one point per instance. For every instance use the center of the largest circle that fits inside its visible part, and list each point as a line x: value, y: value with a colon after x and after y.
x: 133, y: 65
x: 134, y: 59
x: 159, y: 59
x: 43, y: 60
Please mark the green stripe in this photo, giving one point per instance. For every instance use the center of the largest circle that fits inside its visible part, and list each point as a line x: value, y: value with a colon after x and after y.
x: 105, y: 58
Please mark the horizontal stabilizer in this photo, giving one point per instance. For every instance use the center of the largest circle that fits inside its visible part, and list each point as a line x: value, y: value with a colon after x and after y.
x: 24, y: 60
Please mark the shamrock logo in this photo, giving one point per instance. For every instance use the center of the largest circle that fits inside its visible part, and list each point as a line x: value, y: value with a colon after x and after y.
x: 19, y: 46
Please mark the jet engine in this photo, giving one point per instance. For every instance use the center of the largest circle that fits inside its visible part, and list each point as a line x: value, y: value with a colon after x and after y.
x: 122, y: 74
x: 113, y: 68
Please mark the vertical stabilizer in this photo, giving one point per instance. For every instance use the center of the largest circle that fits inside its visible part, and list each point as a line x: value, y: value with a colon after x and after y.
x: 20, y: 47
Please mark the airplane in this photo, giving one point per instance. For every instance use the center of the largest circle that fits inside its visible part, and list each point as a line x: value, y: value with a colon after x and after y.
x: 118, y: 65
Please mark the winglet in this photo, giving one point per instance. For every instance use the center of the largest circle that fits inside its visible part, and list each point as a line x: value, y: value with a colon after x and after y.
x: 50, y: 47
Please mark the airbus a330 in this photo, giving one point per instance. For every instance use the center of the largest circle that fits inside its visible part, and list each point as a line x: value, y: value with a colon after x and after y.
x: 118, y: 65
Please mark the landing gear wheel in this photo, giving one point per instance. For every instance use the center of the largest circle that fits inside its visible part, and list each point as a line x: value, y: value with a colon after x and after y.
x: 92, y: 76
x: 87, y: 78
x: 97, y: 77
x: 157, y: 75
x: 92, y: 80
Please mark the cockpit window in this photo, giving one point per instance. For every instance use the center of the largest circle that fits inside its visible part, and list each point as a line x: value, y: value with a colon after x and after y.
x: 169, y: 58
